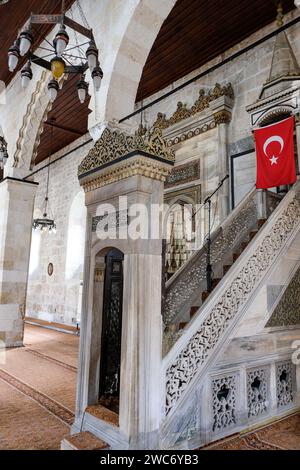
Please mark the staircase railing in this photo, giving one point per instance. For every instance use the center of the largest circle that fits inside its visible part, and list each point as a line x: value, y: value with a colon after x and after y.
x: 196, y: 350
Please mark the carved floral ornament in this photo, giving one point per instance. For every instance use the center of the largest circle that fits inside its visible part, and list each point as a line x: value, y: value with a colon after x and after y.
x: 202, y: 102
x: 113, y: 145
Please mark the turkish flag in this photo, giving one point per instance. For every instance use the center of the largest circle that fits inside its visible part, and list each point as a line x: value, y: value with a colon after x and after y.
x: 275, y: 154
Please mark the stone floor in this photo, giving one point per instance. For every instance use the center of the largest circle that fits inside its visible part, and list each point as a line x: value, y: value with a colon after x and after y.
x: 37, y: 399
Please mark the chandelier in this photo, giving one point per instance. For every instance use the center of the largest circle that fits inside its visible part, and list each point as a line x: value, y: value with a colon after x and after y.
x: 3, y: 152
x: 46, y: 223
x: 58, y: 57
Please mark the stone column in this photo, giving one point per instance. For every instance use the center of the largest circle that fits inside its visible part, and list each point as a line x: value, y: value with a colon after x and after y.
x: 16, y: 208
x: 221, y: 109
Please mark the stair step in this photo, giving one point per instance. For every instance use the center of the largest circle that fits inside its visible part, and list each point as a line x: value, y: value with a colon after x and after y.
x: 226, y: 268
x: 243, y: 246
x: 204, y: 295
x: 193, y: 310
x: 215, y: 282
x: 101, y: 412
x: 83, y: 441
x: 261, y: 222
x: 235, y: 256
x: 182, y: 325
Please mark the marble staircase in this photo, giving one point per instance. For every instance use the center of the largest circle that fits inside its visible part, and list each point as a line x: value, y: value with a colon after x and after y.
x: 251, y: 257
x: 228, y: 242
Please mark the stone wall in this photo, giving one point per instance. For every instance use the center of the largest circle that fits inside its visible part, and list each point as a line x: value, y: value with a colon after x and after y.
x: 56, y: 298
x: 247, y: 74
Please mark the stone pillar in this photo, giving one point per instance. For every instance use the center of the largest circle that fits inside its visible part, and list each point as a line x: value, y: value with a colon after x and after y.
x: 134, y: 168
x: 16, y: 208
x: 141, y: 377
x: 221, y: 109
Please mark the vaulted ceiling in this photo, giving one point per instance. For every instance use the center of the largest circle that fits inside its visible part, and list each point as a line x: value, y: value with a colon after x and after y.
x: 195, y: 32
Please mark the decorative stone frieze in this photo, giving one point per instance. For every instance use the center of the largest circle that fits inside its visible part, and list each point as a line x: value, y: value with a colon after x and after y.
x: 200, y: 129
x: 182, y: 174
x: 135, y: 165
x: 222, y: 117
x: 202, y: 102
x: 285, y: 379
x: 115, y: 145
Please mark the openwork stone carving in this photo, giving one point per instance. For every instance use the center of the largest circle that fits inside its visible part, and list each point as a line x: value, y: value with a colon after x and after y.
x: 202, y: 102
x: 224, y: 392
x: 113, y: 145
x: 200, y: 347
x: 257, y: 391
x: 285, y: 383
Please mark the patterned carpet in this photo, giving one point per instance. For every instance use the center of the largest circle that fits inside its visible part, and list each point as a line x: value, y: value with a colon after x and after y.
x: 37, y: 399
x: 282, y: 435
x: 37, y: 390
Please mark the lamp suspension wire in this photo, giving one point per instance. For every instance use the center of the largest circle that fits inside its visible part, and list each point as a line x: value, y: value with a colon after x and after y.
x: 76, y: 36
x: 48, y: 174
x: 83, y: 17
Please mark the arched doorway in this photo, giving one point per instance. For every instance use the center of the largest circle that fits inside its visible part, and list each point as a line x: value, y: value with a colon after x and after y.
x: 109, y: 384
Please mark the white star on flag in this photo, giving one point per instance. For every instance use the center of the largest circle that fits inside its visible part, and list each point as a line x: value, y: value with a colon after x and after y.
x: 273, y: 160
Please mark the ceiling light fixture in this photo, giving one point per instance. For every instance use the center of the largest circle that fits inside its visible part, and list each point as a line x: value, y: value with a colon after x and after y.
x: 64, y: 60
x: 46, y: 223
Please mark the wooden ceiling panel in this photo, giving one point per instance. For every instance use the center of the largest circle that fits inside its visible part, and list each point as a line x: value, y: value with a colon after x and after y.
x: 196, y: 31
x: 68, y: 118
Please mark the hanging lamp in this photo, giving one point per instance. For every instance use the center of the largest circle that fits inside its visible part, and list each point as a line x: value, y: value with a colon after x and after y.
x: 46, y: 223
x: 66, y: 59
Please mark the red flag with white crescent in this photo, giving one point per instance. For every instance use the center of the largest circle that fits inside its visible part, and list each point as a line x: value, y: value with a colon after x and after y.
x: 275, y: 154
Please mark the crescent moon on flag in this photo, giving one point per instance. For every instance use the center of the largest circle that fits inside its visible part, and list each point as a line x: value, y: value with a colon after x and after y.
x: 274, y: 138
